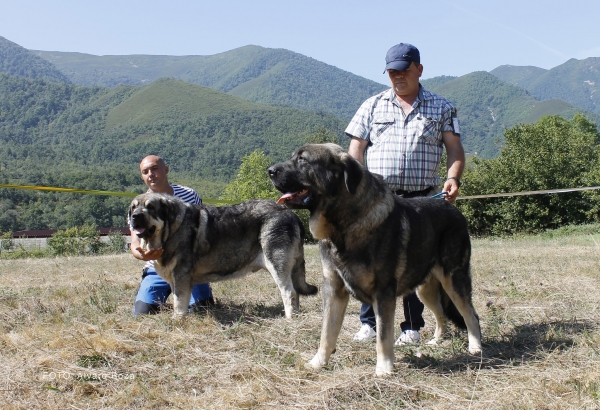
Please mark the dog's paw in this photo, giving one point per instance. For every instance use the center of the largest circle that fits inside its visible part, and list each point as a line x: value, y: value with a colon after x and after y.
x: 383, y: 371
x: 475, y: 350
x: 433, y: 342
x: 315, y: 363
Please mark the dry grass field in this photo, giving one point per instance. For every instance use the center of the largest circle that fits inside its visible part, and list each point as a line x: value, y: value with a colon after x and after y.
x: 68, y: 340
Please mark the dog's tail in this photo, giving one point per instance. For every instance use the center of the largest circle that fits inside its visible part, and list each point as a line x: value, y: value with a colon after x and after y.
x: 299, y: 269
x: 450, y: 310
x: 299, y: 279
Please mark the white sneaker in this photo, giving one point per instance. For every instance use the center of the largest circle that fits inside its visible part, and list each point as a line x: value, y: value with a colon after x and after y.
x: 365, y: 333
x: 408, y: 337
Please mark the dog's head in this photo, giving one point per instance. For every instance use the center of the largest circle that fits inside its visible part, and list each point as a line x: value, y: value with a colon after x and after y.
x: 149, y: 213
x: 315, y: 172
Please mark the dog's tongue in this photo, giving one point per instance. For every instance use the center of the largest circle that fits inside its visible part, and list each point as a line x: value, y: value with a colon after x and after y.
x: 285, y: 197
x: 138, y: 231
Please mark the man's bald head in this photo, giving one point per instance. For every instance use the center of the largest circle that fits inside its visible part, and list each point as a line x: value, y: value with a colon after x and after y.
x: 153, y: 159
x: 154, y: 172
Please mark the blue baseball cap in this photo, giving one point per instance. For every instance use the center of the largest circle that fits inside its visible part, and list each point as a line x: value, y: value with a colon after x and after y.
x: 401, y: 56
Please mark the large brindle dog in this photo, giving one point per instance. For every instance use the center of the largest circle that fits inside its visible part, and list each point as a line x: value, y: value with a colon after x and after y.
x: 377, y: 246
x: 209, y: 244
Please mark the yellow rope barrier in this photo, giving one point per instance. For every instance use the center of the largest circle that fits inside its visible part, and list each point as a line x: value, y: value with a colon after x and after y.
x: 97, y: 192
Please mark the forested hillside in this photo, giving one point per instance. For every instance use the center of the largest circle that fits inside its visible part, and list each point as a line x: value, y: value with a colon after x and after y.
x: 272, y: 76
x: 575, y: 81
x: 16, y: 60
x: 65, y: 135
x: 488, y: 106
x: 520, y: 76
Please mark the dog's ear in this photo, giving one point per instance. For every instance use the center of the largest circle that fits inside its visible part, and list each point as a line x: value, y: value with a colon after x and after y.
x: 168, y: 209
x: 133, y: 204
x: 353, y: 173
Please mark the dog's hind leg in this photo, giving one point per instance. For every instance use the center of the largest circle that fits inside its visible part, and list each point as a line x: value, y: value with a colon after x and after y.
x: 279, y: 265
x: 457, y: 285
x: 335, y: 300
x: 429, y: 294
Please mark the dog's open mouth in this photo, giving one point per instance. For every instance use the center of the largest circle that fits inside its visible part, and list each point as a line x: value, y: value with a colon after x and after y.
x: 144, y: 233
x: 295, y: 198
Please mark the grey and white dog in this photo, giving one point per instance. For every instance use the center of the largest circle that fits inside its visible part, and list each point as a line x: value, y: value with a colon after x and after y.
x: 209, y: 244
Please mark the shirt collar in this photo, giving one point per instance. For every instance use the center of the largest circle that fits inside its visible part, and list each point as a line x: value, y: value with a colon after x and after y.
x: 422, y: 96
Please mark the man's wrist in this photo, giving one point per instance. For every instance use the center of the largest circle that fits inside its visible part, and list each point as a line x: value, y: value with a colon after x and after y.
x: 456, y: 179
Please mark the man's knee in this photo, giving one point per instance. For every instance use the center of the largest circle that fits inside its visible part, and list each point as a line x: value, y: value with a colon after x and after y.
x: 202, y: 305
x: 143, y: 308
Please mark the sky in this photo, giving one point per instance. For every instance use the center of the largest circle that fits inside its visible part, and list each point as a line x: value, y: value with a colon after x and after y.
x: 454, y: 37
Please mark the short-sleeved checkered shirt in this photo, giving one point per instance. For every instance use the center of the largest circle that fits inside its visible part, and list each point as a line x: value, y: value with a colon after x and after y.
x: 405, y: 150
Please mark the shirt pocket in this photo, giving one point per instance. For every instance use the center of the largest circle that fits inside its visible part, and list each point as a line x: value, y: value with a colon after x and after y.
x: 429, y: 132
x: 383, y: 129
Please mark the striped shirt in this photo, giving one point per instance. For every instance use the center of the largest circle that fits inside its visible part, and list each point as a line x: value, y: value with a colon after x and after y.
x: 405, y: 150
x: 186, y: 195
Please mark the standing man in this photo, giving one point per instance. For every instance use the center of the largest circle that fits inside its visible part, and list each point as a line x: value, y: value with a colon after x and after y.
x: 403, y: 131
x: 154, y: 290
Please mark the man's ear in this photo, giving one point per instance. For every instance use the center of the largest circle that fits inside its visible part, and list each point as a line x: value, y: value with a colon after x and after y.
x: 166, y: 169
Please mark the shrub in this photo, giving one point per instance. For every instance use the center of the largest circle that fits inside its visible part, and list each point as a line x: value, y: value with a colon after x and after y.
x: 7, y: 243
x: 550, y: 154
x: 253, y: 182
x: 116, y: 243
x: 83, y: 240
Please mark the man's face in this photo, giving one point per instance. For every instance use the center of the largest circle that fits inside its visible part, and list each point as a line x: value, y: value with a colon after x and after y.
x: 406, y: 83
x: 154, y: 173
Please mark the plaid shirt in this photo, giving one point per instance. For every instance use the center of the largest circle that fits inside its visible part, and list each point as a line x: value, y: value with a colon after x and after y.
x: 405, y: 150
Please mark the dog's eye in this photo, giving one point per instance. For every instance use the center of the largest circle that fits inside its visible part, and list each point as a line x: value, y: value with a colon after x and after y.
x: 301, y: 158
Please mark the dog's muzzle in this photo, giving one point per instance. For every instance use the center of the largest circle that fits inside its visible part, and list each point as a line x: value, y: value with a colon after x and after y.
x: 138, y: 222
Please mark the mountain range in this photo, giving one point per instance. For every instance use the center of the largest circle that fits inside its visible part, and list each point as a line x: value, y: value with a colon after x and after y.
x: 486, y: 106
x: 576, y: 81
x: 488, y: 103
x: 270, y: 76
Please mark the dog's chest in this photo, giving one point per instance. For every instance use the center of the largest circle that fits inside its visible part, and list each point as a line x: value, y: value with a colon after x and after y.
x: 357, y: 276
x: 319, y: 226
x: 165, y: 271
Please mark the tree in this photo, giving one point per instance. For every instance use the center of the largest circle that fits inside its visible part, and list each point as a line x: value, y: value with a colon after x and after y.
x: 550, y: 154
x: 252, y: 180
x: 322, y: 135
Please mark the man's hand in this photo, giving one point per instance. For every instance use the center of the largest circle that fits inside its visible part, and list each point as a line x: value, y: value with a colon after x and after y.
x: 451, y: 186
x: 149, y: 255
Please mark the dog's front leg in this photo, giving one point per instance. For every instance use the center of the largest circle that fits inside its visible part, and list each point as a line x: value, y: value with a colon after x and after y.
x: 385, y: 307
x: 182, y: 290
x: 335, y: 300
